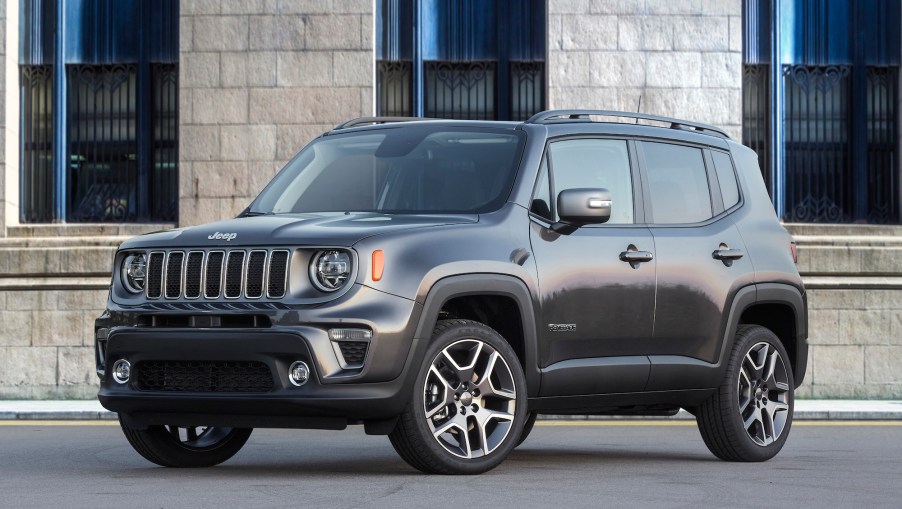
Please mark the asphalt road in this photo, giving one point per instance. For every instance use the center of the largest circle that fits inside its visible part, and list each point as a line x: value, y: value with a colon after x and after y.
x: 561, y: 466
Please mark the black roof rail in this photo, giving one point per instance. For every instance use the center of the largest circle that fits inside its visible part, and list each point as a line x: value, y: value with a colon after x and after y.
x: 562, y: 116
x: 376, y: 120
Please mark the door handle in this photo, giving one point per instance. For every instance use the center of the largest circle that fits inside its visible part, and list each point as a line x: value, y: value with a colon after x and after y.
x: 634, y: 257
x: 727, y: 255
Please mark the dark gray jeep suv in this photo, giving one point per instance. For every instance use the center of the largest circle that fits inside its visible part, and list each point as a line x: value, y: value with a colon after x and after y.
x: 443, y: 282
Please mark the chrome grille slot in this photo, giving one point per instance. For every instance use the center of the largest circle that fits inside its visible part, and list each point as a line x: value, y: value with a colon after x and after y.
x: 218, y: 273
x: 174, y: 274
x: 155, y: 275
x: 278, y: 272
x: 193, y: 269
x: 213, y: 288
x: 256, y: 265
x: 234, y: 273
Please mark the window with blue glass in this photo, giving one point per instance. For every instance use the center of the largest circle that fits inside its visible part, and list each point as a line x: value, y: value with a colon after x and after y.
x: 462, y: 59
x: 820, y: 106
x: 99, y: 99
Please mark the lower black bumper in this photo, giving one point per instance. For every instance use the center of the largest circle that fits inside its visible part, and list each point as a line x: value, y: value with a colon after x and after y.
x: 313, y: 405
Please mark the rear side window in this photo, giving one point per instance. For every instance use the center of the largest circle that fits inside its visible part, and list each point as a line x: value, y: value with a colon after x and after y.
x: 729, y: 189
x: 677, y: 183
x: 595, y: 163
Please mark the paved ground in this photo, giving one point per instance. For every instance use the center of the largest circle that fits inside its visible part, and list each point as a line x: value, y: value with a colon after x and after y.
x: 571, y: 464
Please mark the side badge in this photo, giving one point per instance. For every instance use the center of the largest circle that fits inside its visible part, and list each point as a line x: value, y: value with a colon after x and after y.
x: 562, y: 327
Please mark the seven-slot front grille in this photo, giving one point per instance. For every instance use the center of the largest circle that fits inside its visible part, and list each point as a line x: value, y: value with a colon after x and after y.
x: 214, y: 274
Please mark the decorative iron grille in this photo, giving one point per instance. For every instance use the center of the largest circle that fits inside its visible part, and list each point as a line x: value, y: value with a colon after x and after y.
x: 103, y: 147
x: 37, y: 172
x: 460, y: 90
x: 111, y: 178
x: 164, y: 185
x: 394, y: 88
x: 819, y: 184
x: 755, y: 104
x: 882, y: 139
x: 527, y: 89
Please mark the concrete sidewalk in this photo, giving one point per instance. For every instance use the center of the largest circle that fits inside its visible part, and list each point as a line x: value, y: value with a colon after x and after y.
x: 809, y: 410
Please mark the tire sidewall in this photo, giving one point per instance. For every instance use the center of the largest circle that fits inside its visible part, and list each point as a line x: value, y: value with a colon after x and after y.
x: 751, y: 450
x: 439, y: 342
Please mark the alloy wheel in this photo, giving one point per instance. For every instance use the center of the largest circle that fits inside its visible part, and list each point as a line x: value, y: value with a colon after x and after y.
x: 469, y: 398
x: 764, y: 393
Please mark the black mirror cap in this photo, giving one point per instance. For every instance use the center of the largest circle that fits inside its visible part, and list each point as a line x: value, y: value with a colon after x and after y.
x: 584, y: 206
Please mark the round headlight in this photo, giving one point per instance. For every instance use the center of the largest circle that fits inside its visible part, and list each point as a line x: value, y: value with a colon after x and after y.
x: 134, y: 272
x: 330, y: 270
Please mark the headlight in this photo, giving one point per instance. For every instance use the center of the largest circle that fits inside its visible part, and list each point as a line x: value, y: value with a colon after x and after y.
x: 134, y: 272
x: 330, y: 270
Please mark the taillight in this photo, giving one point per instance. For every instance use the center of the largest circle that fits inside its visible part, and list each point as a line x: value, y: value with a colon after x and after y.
x: 795, y: 252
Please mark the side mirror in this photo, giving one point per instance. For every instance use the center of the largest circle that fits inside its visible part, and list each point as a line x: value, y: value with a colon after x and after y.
x: 584, y: 206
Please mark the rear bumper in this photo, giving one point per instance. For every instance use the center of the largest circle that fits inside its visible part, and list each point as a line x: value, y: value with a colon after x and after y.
x: 316, y: 404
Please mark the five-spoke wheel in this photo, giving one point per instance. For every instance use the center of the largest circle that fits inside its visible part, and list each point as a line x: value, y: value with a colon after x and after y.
x: 469, y: 404
x: 749, y: 416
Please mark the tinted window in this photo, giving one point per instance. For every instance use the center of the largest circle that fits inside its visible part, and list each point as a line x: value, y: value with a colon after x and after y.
x: 404, y: 170
x: 678, y: 183
x: 728, y: 187
x: 595, y: 164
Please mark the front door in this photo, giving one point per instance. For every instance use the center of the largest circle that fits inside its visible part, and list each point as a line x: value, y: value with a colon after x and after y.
x: 596, y: 307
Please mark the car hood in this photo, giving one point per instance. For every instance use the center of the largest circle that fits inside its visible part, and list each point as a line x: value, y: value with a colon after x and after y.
x: 338, y: 229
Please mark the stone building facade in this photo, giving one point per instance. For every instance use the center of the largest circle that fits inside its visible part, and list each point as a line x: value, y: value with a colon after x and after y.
x: 260, y: 78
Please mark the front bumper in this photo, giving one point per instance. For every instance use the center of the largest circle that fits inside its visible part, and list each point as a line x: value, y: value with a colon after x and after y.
x: 332, y: 398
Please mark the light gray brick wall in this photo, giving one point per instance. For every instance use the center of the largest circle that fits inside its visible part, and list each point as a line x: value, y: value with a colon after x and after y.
x: 3, y: 113
x: 259, y: 79
x: 680, y: 57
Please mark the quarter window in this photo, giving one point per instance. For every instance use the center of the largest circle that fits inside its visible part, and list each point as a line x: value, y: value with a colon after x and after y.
x: 595, y: 163
x: 727, y: 178
x: 677, y: 183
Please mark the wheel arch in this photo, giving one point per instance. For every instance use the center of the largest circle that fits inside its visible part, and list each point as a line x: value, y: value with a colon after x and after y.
x: 464, y: 296
x: 782, y: 309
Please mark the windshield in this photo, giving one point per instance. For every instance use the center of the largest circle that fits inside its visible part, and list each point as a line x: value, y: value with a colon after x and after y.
x: 404, y: 170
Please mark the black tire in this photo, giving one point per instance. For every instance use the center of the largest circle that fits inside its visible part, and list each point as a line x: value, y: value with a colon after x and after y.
x: 205, y: 448
x: 527, y: 427
x: 502, y: 413
x: 721, y: 419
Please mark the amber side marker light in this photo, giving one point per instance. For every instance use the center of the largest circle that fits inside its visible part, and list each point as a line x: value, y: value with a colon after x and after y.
x: 378, y: 264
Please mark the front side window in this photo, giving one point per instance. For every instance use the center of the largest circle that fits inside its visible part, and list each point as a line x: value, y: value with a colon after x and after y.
x: 677, y: 182
x: 403, y: 170
x: 594, y: 164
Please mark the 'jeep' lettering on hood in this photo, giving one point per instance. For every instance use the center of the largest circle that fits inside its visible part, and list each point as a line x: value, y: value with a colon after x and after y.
x: 223, y: 236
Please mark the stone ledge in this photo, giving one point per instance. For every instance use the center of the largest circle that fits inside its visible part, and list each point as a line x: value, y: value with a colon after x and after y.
x: 54, y: 283
x: 85, y: 230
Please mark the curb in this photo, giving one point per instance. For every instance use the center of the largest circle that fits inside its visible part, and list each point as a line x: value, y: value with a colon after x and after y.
x: 805, y: 410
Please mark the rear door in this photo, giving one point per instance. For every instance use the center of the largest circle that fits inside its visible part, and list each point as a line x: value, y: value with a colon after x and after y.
x: 701, y: 257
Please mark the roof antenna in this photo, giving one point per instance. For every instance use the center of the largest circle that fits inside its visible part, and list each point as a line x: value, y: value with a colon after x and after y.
x: 639, y: 107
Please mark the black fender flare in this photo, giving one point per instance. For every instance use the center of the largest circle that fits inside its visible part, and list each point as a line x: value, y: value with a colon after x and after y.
x: 451, y: 287
x: 771, y: 293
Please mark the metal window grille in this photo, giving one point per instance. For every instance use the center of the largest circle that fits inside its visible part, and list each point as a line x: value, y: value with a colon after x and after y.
x: 527, y: 89
x: 882, y: 140
x: 111, y: 179
x: 819, y: 184
x: 394, y: 89
x: 460, y: 90
x: 755, y: 104
x: 164, y: 185
x: 103, y: 146
x: 38, y: 178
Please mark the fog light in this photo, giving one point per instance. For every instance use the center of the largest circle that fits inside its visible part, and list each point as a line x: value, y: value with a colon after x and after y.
x: 298, y: 373
x: 122, y: 369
